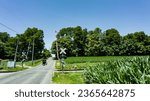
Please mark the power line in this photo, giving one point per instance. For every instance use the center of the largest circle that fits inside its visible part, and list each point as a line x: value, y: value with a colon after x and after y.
x: 8, y: 27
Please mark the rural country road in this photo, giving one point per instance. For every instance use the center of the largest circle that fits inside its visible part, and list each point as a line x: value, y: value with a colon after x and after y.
x: 38, y: 75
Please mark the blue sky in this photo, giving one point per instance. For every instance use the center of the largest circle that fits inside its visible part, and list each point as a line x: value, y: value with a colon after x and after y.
x: 126, y: 16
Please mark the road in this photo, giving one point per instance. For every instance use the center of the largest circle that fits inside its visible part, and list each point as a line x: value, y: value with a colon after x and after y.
x: 38, y: 75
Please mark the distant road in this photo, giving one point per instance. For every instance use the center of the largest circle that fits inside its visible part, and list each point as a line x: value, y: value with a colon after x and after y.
x: 38, y: 75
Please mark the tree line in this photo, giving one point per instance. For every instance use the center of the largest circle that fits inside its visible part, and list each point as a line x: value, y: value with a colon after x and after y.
x: 81, y: 42
x: 25, y: 42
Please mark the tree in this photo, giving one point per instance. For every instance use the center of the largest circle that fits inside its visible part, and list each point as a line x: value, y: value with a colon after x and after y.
x: 46, y: 53
x: 4, y: 36
x: 10, y: 48
x: 112, y: 37
x: 94, y: 45
x: 73, y: 39
x: 28, y: 38
x: 81, y: 42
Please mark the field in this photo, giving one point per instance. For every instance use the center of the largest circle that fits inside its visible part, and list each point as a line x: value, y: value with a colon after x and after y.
x: 80, y: 63
x: 108, y: 69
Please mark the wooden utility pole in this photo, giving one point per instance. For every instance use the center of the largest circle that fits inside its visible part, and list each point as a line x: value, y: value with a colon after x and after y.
x: 28, y: 50
x: 57, y: 50
x: 57, y: 53
x: 16, y: 53
x: 33, y: 52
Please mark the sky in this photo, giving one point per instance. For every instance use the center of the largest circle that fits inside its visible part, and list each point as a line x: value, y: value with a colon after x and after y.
x: 127, y: 16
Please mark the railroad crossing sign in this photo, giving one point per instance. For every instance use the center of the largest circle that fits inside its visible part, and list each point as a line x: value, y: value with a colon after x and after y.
x: 24, y: 58
x: 62, y: 50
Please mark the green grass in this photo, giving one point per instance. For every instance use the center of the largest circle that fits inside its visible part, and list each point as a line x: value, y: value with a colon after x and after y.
x: 3, y: 64
x: 29, y: 63
x: 75, y: 66
x: 68, y: 78
x: 35, y: 63
x: 80, y: 63
x: 4, y: 68
x: 13, y: 69
x: 94, y: 59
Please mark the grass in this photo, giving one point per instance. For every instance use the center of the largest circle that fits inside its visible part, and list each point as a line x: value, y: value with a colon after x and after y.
x: 75, y: 66
x: 3, y: 64
x: 29, y: 63
x: 35, y: 63
x: 13, y: 69
x: 68, y: 78
x: 4, y: 68
x: 80, y: 63
x: 94, y: 59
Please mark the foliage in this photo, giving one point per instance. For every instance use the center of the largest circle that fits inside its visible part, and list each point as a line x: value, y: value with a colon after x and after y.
x: 46, y: 53
x: 25, y: 43
x: 4, y: 36
x: 81, y: 42
x: 68, y: 78
x: 3, y: 64
x: 125, y: 71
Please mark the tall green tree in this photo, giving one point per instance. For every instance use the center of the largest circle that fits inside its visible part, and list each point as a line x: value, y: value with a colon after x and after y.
x: 94, y: 44
x: 81, y: 42
x: 4, y: 37
x: 112, y: 37
x: 32, y: 36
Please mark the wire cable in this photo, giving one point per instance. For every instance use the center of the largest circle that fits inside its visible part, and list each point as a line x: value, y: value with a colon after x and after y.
x: 8, y: 27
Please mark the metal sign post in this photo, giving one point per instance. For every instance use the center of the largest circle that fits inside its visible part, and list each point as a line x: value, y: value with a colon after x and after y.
x: 62, y: 52
x: 24, y: 58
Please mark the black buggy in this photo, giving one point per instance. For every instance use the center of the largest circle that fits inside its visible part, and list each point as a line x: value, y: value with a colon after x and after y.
x: 44, y: 62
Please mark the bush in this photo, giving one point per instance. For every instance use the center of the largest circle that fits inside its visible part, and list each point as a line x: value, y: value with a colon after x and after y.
x: 125, y: 71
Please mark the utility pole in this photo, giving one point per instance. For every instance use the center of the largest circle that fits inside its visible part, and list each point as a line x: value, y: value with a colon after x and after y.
x: 57, y: 50
x: 33, y: 52
x: 16, y: 53
x: 28, y: 50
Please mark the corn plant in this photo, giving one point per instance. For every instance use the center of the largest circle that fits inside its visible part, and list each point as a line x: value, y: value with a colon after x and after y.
x: 125, y: 71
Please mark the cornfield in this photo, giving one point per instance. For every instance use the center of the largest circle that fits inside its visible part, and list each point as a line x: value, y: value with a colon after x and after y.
x: 125, y: 71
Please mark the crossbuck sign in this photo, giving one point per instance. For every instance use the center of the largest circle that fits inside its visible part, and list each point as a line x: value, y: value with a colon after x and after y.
x: 62, y: 50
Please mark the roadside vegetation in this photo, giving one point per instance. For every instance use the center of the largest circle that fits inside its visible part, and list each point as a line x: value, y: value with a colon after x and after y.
x: 68, y: 78
x: 80, y: 63
x: 105, y: 56
x: 106, y: 70
x: 29, y: 63
x: 24, y: 47
x: 4, y: 68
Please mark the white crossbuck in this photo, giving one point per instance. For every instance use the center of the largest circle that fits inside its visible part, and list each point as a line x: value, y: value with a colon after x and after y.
x: 62, y: 50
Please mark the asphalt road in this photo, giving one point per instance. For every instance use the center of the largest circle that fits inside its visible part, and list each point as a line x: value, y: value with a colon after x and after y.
x: 38, y: 75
